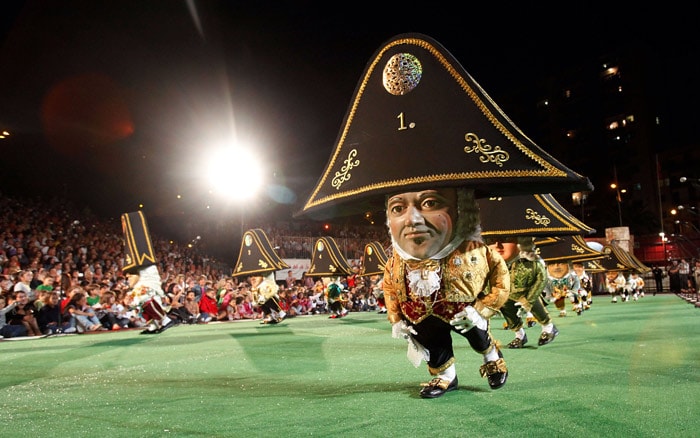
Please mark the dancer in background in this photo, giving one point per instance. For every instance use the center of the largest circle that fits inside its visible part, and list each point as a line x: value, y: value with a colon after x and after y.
x: 145, y: 292
x: 258, y: 261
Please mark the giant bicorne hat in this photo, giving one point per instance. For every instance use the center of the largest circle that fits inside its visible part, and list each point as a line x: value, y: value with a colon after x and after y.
x: 374, y: 259
x: 569, y: 249
x: 327, y: 260
x: 256, y: 256
x: 418, y: 120
x: 592, y: 265
x: 640, y: 267
x: 617, y: 259
x: 528, y: 215
x: 138, y: 248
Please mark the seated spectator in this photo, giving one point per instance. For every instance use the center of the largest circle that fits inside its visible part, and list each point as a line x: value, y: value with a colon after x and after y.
x: 49, y: 316
x: 9, y: 330
x: 24, y: 279
x: 371, y: 302
x: 45, y: 286
x: 227, y: 306
x: 23, y: 314
x: 208, y: 308
x: 93, y: 294
x: 110, y: 315
x: 245, y: 309
x: 192, y: 307
x: 85, y: 317
x: 304, y: 303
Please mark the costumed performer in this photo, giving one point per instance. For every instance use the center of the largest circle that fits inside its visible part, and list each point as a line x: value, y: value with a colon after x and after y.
x: 420, y: 139
x: 145, y: 292
x: 528, y: 279
x: 336, y: 303
x: 266, y: 292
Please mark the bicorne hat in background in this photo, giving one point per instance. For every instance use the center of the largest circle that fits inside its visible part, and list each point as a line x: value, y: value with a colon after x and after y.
x: 374, y: 259
x: 569, y: 249
x: 138, y: 248
x: 256, y: 256
x: 327, y: 260
x: 528, y: 215
x: 617, y: 259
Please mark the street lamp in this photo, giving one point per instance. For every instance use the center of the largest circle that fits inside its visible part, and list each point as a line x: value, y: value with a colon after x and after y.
x: 579, y: 198
x: 663, y: 243
x: 618, y: 197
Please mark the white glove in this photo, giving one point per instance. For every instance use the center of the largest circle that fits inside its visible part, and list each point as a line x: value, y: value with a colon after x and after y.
x: 400, y: 330
x: 467, y: 319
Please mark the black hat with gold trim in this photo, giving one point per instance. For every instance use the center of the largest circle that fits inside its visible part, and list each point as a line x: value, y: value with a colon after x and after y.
x: 528, y: 215
x: 418, y: 120
x: 138, y: 248
x: 545, y: 240
x: 641, y: 267
x: 257, y: 256
x: 592, y: 265
x: 617, y: 259
x: 374, y: 259
x: 327, y: 260
x: 569, y: 249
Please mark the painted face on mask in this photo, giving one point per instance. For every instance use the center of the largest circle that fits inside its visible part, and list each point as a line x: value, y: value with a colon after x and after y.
x: 557, y: 269
x: 507, y: 247
x: 422, y: 223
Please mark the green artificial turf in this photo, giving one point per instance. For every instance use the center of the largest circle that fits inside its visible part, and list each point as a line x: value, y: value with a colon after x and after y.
x: 619, y: 370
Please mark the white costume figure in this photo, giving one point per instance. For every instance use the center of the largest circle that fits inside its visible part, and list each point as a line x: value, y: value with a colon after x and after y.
x: 585, y: 285
x: 633, y: 287
x: 265, y: 292
x: 148, y: 296
x: 145, y: 293
x: 615, y: 283
x: 562, y: 283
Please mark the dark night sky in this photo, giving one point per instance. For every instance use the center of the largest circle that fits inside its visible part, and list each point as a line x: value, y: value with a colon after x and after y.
x: 116, y: 102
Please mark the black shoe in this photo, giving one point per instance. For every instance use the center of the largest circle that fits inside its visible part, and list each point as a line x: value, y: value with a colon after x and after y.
x: 546, y: 338
x: 495, y: 371
x: 518, y: 343
x: 172, y: 323
x: 437, y: 387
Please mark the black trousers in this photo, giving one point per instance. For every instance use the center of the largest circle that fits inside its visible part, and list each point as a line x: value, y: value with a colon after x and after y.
x: 436, y: 335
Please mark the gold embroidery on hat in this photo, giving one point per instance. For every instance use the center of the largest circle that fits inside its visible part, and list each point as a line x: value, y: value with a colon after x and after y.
x: 577, y: 248
x: 402, y: 73
x: 344, y: 173
x: 492, y: 154
x: 537, y: 218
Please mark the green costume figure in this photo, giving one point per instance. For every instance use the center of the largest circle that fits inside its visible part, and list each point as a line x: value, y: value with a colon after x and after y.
x: 336, y: 304
x: 528, y: 279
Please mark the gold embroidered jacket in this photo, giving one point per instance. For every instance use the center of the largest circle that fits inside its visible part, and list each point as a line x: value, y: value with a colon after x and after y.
x: 528, y: 279
x: 472, y: 274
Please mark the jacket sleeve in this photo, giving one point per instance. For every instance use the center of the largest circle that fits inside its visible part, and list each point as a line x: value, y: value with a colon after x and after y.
x: 539, y: 283
x: 393, y: 312
x: 498, y: 288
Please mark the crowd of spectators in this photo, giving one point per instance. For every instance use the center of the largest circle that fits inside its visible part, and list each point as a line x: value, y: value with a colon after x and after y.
x: 61, y: 272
